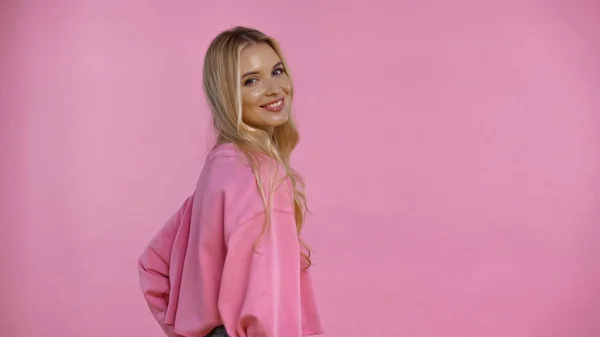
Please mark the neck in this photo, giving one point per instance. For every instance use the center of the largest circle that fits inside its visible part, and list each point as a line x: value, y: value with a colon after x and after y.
x: 270, y: 130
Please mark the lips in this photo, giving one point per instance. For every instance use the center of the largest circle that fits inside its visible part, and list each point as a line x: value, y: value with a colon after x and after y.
x: 274, y: 106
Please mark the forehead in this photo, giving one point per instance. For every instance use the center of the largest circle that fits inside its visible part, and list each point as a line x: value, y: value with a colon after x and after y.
x: 258, y: 56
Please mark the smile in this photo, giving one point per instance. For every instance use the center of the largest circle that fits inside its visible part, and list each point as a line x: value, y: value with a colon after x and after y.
x: 274, y: 106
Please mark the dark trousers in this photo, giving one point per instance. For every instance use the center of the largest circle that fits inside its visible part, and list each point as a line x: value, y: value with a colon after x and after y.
x: 218, y: 332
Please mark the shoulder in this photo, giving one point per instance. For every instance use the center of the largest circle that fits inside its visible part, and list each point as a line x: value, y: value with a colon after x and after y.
x: 228, y: 173
x: 226, y: 170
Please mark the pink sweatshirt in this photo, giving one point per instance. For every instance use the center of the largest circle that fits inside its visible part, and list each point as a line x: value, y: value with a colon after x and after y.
x: 202, y: 269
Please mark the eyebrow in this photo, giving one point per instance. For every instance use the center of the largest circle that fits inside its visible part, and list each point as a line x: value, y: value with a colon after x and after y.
x: 256, y: 72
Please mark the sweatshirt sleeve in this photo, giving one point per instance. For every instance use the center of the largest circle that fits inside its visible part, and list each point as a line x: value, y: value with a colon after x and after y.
x: 260, y: 291
x: 153, y: 269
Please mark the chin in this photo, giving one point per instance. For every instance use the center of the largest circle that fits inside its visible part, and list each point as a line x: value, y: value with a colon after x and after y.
x: 278, y: 120
x: 280, y: 123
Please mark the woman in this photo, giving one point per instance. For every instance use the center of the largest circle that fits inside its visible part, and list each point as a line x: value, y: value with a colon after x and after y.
x: 230, y: 261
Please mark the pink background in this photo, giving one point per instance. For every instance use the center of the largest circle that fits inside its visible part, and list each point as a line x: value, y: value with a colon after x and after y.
x: 452, y: 151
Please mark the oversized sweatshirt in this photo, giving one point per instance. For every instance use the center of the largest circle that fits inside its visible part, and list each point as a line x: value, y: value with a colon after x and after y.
x: 205, y: 267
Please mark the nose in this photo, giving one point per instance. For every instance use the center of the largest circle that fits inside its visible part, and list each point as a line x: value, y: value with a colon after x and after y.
x: 273, y: 88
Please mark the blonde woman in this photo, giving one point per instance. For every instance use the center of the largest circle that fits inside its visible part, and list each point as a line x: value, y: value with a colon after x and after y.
x: 230, y: 261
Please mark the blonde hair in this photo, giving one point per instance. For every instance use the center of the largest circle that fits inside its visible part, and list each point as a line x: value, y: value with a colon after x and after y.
x: 222, y: 89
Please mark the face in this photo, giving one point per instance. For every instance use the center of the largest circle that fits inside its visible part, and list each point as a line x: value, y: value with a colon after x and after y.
x: 266, y: 89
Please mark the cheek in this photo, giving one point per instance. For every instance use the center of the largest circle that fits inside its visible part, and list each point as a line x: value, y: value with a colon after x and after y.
x: 250, y: 107
x: 251, y: 98
x: 287, y: 86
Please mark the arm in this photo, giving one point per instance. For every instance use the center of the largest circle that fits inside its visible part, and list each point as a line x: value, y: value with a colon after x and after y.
x: 180, y: 272
x: 260, y: 290
x: 153, y: 270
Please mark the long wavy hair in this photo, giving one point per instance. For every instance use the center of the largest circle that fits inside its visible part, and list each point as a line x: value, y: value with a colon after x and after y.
x: 222, y: 89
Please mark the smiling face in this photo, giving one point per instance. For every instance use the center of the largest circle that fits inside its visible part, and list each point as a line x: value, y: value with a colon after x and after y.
x: 266, y: 88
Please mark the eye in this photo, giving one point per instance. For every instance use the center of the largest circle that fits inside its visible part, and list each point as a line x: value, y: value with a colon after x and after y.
x: 278, y: 71
x: 250, y: 81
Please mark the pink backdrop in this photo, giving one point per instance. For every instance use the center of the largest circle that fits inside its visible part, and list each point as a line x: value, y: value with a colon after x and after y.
x: 452, y: 151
